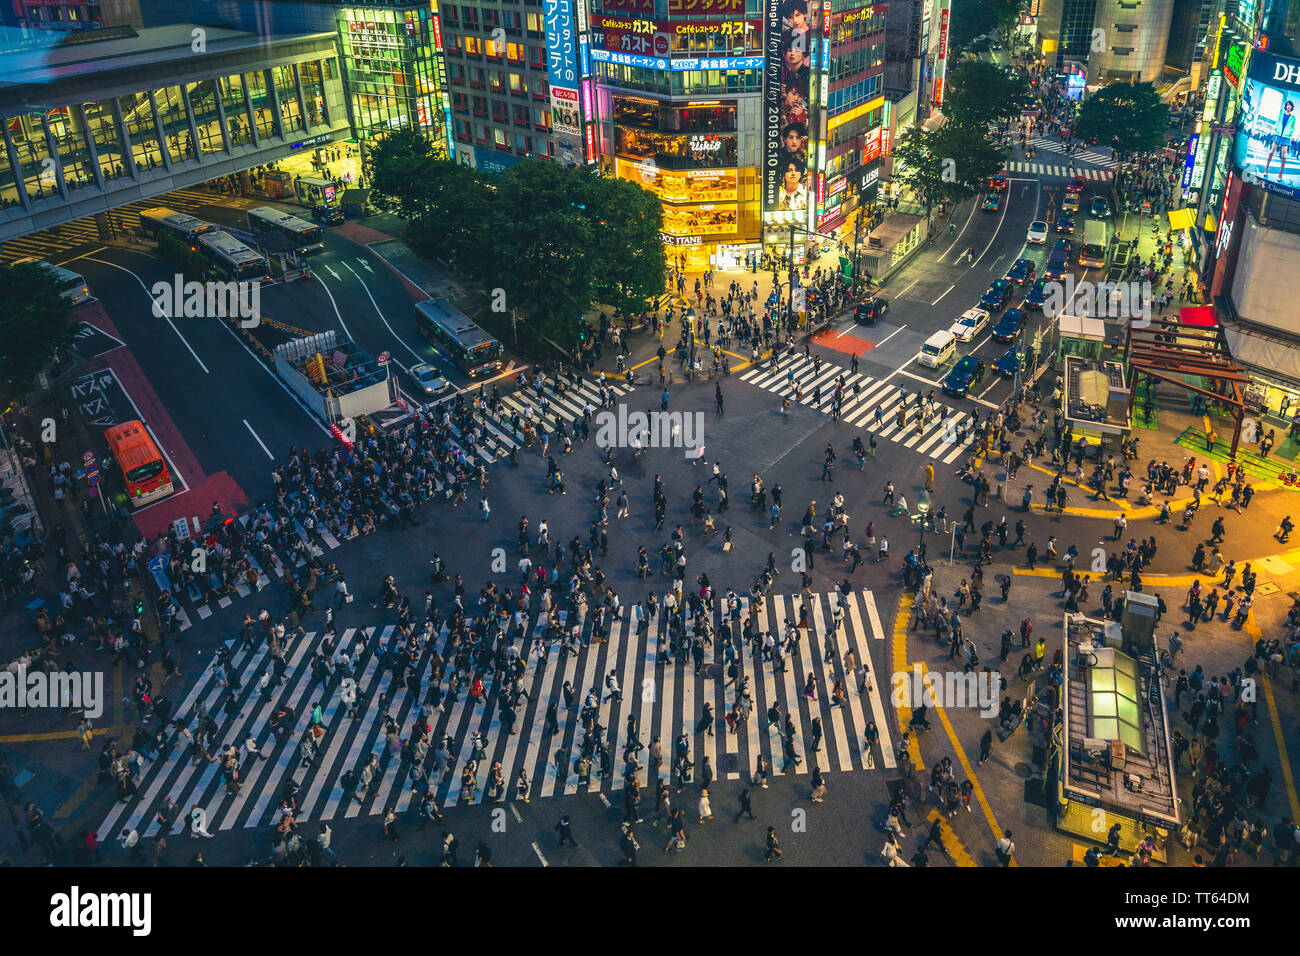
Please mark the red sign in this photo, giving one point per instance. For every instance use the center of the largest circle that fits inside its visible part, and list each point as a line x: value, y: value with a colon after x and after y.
x: 1225, y: 244
x: 630, y: 6
x: 338, y: 433
x: 871, y: 150
x: 437, y: 34
x: 591, y: 142
x: 943, y: 33
x: 938, y: 89
x: 652, y: 37
x: 679, y: 7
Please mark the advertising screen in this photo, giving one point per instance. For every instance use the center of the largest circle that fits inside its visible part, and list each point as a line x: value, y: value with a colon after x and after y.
x: 786, y: 78
x: 1268, y: 140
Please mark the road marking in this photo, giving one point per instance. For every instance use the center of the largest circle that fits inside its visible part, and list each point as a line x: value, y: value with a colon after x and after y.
x: 275, y: 378
x: 515, y: 811
x: 258, y: 440
x: 890, y: 336
x: 1288, y: 780
x: 538, y: 851
x: 381, y: 315
x: 114, y: 265
x: 945, y: 292
x: 899, y: 648
x: 907, y: 288
x: 948, y: 837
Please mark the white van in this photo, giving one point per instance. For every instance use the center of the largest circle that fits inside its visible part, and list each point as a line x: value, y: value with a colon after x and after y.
x: 937, y: 349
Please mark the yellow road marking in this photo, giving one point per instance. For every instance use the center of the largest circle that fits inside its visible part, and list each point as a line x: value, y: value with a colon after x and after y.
x: 57, y: 735
x: 1288, y: 780
x: 970, y: 773
x: 899, y: 649
x: 950, y: 842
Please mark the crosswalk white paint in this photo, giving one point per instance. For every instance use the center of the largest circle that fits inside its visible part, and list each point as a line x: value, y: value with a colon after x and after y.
x: 1063, y: 171
x: 874, y: 407
x: 665, y: 698
x: 1090, y: 156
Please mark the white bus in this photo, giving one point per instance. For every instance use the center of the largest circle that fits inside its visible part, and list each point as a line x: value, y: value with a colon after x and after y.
x: 231, y: 259
x: 162, y: 219
x: 72, y: 286
x: 1093, y: 250
x: 306, y: 235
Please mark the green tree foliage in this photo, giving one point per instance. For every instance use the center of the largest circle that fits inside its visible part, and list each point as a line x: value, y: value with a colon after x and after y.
x: 953, y: 162
x: 1126, y: 117
x: 977, y: 17
x: 34, y: 324
x: 554, y: 238
x: 980, y: 92
x: 181, y: 254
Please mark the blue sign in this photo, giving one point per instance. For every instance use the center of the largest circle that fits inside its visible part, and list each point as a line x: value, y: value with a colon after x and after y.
x: 158, y: 562
x: 491, y: 161
x: 561, y: 52
x: 679, y: 66
x: 1190, y: 160
x: 586, y: 56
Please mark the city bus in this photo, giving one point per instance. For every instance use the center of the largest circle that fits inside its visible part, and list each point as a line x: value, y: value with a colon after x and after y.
x: 230, y: 259
x: 305, y: 235
x: 459, y: 339
x: 144, y: 470
x: 72, y: 286
x: 1093, y: 250
x: 162, y: 219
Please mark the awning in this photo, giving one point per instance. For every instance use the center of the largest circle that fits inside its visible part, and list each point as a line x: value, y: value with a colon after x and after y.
x: 1200, y: 315
x: 1182, y: 218
x: 1274, y: 356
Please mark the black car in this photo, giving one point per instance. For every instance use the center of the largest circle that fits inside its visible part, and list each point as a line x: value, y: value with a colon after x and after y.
x: 1037, y: 294
x: 1021, y: 271
x: 1057, y: 267
x: 327, y: 215
x: 870, y: 312
x: 997, y: 295
x: 1009, y: 326
x: 1008, y: 364
x: 964, y: 376
x: 1065, y: 223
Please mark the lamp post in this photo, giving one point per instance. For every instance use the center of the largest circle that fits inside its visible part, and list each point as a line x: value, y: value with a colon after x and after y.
x: 922, y: 518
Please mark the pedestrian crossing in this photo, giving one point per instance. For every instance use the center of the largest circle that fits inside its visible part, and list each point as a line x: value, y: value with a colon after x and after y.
x: 494, y: 439
x: 62, y: 239
x: 1093, y: 157
x: 1049, y: 169
x: 665, y: 700
x: 875, y: 407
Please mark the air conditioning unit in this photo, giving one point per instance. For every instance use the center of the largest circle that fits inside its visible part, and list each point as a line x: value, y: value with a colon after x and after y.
x: 1095, y: 746
x: 1118, y: 755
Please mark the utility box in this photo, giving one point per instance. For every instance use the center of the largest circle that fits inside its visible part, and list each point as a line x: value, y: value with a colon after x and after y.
x: 1139, y: 621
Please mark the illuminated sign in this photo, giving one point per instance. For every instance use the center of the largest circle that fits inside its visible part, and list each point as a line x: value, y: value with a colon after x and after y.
x: 1191, y: 159
x: 561, y: 59
x: 871, y: 147
x: 591, y: 142
x: 1234, y: 64
x: 1270, y: 115
x: 837, y: 121
x: 678, y: 66
x: 705, y: 144
x: 681, y: 240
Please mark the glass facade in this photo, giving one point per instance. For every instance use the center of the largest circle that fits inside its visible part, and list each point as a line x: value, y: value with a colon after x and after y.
x: 393, y: 71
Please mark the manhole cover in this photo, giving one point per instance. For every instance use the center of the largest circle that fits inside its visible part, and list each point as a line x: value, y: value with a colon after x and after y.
x: 1268, y: 587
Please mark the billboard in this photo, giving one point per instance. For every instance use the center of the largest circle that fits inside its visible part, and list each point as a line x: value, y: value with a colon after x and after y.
x: 786, y: 77
x: 561, y: 44
x: 565, y: 117
x: 1268, y: 139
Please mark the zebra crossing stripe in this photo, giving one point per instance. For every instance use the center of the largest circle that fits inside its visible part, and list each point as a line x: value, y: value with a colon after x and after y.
x: 873, y: 685
x: 827, y: 682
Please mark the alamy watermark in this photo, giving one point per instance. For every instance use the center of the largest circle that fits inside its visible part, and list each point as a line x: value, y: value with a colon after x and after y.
x: 201, y: 300
x: 65, y: 690
x: 953, y: 689
x: 623, y: 429
x: 1111, y: 300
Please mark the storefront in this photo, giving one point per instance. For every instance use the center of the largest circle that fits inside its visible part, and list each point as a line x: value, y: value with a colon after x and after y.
x: 687, y: 154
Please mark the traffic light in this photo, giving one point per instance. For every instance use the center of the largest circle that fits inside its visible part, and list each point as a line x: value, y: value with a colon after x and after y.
x: 139, y: 606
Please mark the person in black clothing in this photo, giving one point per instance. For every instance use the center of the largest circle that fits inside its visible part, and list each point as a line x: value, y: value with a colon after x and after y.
x: 746, y: 806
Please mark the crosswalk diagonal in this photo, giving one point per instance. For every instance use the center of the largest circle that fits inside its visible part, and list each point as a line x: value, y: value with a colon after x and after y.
x: 868, y: 404
x: 1080, y: 156
x: 663, y: 691
x: 1062, y: 171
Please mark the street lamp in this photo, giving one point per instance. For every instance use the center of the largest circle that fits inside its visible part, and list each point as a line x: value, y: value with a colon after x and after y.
x: 922, y: 518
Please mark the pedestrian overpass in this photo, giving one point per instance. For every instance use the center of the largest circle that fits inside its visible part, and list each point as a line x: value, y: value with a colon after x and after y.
x: 97, y: 119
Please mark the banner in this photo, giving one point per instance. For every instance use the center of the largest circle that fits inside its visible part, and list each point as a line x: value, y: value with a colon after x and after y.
x: 630, y: 6
x: 561, y: 49
x: 677, y: 8
x: 786, y: 77
x: 1268, y: 135
x: 565, y: 116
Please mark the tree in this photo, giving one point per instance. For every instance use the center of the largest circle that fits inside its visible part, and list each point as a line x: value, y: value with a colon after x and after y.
x: 400, y: 168
x: 627, y: 256
x: 975, y: 18
x: 34, y: 324
x: 980, y: 92
x: 1126, y: 117
x: 953, y: 162
x: 541, y: 241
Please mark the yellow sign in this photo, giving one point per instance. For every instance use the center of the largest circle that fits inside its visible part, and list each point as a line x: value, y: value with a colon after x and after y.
x: 837, y: 121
